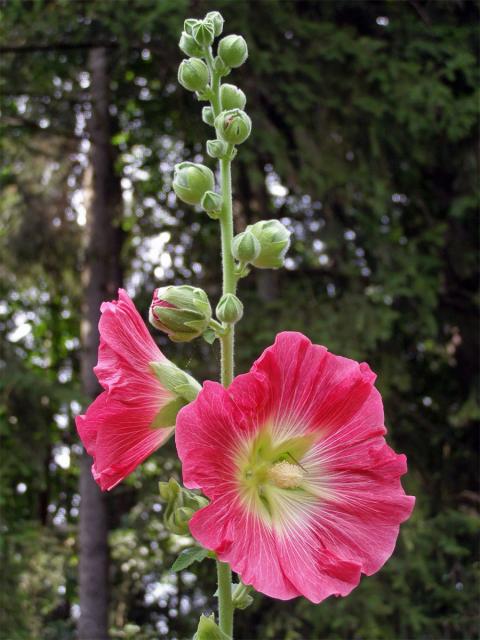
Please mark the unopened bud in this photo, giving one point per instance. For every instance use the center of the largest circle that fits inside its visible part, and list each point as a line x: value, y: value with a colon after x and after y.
x: 233, y: 50
x: 234, y: 126
x: 188, y: 45
x: 216, y: 18
x: 229, y: 309
x: 274, y: 239
x: 245, y: 247
x: 203, y: 33
x: 191, y: 180
x: 183, y: 312
x: 212, y: 204
x: 208, y: 116
x: 232, y: 97
x: 216, y: 148
x: 193, y: 74
x: 189, y: 24
x: 180, y: 506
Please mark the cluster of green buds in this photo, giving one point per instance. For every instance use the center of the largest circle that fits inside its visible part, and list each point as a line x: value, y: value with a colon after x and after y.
x: 180, y: 506
x: 201, y: 73
x: 184, y: 312
x: 263, y: 245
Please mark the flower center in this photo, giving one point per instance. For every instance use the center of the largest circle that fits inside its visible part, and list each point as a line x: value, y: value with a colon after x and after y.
x: 286, y: 475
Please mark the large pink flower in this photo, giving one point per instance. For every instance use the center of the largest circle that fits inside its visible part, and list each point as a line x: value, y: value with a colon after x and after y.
x: 305, y: 493
x: 117, y: 428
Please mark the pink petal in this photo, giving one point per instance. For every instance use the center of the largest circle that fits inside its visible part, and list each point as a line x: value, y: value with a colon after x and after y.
x: 116, y: 430
x: 126, y: 346
x: 245, y: 543
x: 118, y: 437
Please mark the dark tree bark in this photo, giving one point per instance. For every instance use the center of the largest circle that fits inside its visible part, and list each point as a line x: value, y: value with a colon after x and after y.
x: 102, y: 275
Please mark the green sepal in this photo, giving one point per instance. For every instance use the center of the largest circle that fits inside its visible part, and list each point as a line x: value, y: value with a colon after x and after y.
x: 209, y: 336
x: 198, y: 325
x: 189, y: 24
x: 208, y: 629
x: 167, y: 415
x: 241, y: 598
x: 220, y: 67
x: 174, y: 379
x: 205, y: 95
x: 188, y: 557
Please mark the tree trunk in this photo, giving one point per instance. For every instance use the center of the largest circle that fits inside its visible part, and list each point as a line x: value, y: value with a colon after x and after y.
x: 102, y: 275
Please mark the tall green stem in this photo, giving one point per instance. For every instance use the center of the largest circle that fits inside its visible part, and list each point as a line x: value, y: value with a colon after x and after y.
x: 228, y: 267
x: 224, y: 573
x: 225, y: 605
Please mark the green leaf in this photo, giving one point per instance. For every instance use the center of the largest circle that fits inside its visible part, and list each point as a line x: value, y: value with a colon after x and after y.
x: 188, y: 557
x: 209, y: 630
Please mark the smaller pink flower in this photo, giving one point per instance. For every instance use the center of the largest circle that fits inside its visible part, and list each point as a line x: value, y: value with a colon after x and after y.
x: 305, y: 493
x: 117, y: 430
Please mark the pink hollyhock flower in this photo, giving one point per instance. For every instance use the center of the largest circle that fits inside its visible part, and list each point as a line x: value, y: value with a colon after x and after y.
x: 305, y: 493
x: 117, y: 429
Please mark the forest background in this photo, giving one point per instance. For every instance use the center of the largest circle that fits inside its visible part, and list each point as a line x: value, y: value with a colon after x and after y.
x: 364, y: 144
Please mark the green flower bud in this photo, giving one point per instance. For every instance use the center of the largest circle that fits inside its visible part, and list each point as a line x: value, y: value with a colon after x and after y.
x: 189, y: 24
x: 191, y: 180
x: 188, y: 45
x: 234, y: 126
x: 220, y: 67
x: 216, y: 18
x: 229, y: 309
x: 241, y: 598
x: 216, y: 148
x: 274, y: 239
x: 183, y: 313
x: 203, y: 33
x: 181, y: 504
x: 233, y: 50
x: 232, y: 97
x: 246, y: 248
x: 193, y: 74
x: 212, y: 204
x: 207, y: 116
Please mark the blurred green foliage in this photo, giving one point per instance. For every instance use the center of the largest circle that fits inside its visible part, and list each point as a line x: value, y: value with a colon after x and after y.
x: 365, y: 120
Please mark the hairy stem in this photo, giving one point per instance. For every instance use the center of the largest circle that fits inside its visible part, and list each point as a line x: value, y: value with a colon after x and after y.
x: 224, y: 573
x: 228, y: 266
x: 225, y: 605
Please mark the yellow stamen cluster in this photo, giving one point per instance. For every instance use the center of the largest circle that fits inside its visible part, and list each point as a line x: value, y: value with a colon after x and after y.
x: 286, y: 475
